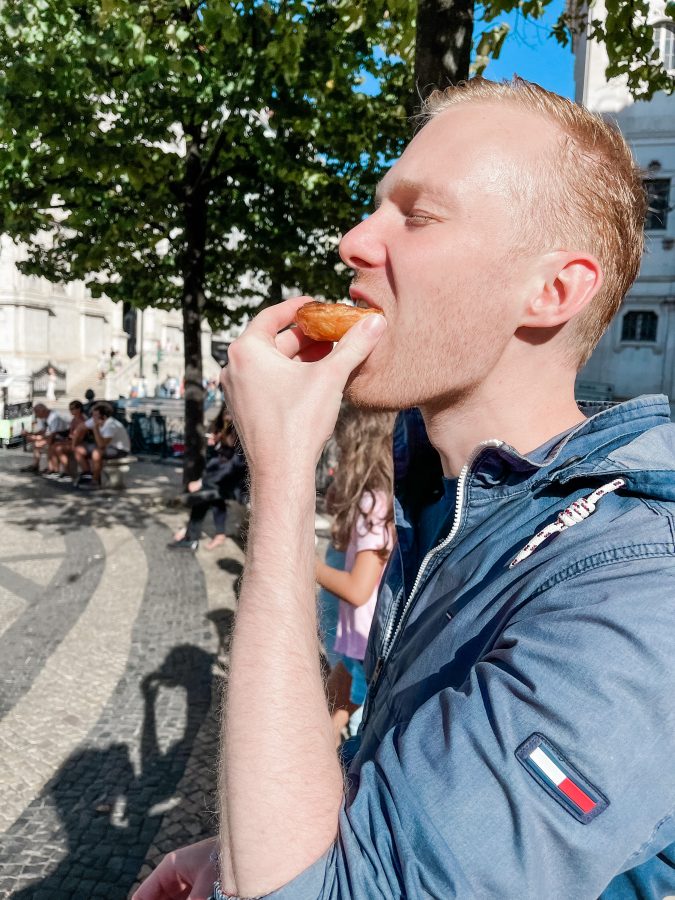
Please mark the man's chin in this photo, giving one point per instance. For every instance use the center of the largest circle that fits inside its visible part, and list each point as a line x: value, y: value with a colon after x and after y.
x: 368, y: 390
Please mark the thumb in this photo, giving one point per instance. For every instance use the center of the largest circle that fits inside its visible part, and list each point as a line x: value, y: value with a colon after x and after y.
x: 357, y: 344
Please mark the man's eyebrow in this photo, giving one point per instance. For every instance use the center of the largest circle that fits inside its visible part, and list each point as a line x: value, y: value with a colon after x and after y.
x: 408, y: 187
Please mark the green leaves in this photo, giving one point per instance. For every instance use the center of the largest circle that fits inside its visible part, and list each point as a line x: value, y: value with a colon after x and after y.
x: 279, y: 117
x: 628, y: 35
x: 489, y: 47
x: 122, y: 113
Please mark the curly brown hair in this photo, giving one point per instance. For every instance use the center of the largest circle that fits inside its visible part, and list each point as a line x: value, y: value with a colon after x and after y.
x: 365, y: 465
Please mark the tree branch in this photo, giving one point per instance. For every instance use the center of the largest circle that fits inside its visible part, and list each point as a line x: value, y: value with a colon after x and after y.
x: 213, y: 156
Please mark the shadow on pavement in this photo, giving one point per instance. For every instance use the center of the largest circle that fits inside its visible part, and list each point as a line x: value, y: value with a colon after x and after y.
x: 233, y: 566
x: 63, y: 509
x: 110, y: 815
x: 223, y: 619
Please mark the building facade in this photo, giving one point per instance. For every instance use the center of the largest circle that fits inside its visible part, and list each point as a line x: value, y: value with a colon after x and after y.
x: 637, y: 354
x: 110, y: 347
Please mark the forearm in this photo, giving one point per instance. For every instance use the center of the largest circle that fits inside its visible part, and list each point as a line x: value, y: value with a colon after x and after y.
x: 281, y: 784
x: 78, y: 436
x: 343, y: 584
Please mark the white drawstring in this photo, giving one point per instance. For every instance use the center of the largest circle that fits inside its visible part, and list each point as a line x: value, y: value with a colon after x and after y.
x: 576, y: 512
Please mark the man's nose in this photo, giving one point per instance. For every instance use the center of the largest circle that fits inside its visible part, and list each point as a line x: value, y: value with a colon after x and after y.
x: 363, y: 247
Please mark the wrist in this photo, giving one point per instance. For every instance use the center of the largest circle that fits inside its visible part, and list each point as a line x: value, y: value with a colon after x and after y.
x: 297, y: 481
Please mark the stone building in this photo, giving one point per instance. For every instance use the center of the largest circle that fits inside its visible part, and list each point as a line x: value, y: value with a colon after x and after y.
x: 637, y: 354
x: 93, y: 342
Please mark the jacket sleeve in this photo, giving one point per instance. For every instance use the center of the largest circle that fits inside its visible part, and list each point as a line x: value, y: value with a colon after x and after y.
x: 446, y: 809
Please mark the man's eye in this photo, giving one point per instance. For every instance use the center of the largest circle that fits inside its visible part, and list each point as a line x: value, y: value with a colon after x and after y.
x: 417, y: 219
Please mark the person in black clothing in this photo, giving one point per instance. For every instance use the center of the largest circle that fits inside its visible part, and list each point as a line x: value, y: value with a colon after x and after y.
x: 90, y: 402
x: 224, y: 479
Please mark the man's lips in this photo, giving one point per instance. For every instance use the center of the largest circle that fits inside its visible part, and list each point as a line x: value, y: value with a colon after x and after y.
x: 360, y: 298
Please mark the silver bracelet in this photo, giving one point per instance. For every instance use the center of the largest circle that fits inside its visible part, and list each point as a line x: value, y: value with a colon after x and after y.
x: 219, y: 895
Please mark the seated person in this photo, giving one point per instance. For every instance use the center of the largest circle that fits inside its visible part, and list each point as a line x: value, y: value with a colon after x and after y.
x: 111, y: 441
x: 224, y: 479
x: 61, y: 450
x: 51, y: 425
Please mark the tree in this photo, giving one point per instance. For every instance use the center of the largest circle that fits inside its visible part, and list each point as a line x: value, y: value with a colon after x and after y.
x: 444, y: 42
x: 205, y: 155
x: 177, y: 153
x: 448, y: 51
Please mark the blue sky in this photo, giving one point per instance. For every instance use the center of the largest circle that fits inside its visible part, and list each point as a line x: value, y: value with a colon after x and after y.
x: 529, y: 52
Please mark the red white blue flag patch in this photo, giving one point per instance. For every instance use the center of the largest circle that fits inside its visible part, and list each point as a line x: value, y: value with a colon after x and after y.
x: 560, y: 779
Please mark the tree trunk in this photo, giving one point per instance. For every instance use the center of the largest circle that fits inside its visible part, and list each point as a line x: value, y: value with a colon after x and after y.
x: 443, y: 44
x: 275, y: 294
x: 193, y: 306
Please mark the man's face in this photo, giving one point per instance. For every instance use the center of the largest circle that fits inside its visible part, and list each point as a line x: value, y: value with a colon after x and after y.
x: 436, y: 256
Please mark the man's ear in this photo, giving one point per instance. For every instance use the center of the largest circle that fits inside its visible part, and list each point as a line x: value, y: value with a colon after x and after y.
x: 568, y: 282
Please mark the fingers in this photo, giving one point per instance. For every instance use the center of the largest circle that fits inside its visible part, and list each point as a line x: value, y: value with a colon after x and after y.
x: 270, y: 321
x: 293, y: 341
x: 357, y: 344
x: 315, y: 352
x: 165, y: 883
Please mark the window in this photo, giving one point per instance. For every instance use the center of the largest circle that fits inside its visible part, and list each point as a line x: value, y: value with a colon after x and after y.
x: 664, y: 41
x: 658, y: 194
x: 639, y: 327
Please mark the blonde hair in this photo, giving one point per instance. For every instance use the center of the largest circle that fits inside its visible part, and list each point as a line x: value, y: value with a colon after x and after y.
x: 590, y: 192
x: 365, y: 465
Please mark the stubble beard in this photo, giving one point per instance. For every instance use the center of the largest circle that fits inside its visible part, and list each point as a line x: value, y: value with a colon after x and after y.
x: 428, y: 372
x: 405, y: 382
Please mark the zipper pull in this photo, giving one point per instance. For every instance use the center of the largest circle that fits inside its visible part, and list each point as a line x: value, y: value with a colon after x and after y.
x: 377, y: 671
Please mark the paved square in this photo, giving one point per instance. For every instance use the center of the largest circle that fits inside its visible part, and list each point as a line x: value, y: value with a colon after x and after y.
x: 111, y: 680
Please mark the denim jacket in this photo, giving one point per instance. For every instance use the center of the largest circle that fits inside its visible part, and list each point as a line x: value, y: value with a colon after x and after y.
x: 519, y: 732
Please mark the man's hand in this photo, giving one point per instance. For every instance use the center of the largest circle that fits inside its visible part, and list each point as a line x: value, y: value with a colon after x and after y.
x: 280, y: 809
x: 281, y: 385
x: 185, y: 874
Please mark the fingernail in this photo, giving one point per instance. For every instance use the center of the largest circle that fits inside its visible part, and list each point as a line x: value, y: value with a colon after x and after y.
x: 375, y: 324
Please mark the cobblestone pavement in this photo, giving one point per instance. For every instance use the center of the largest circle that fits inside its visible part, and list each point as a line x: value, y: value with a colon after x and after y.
x: 109, y: 659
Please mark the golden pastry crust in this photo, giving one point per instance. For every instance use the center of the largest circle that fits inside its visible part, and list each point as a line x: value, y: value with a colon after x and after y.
x: 329, y: 321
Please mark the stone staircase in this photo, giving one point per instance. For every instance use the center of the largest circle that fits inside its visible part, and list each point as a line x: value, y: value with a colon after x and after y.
x: 84, y: 374
x: 83, y: 378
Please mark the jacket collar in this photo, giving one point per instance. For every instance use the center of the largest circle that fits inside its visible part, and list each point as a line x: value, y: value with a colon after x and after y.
x: 635, y: 439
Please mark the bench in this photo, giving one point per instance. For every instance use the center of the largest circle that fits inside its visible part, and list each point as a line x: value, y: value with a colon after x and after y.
x: 114, y: 470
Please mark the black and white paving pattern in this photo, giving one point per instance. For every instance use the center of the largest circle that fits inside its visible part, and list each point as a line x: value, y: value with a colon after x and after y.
x: 111, y: 654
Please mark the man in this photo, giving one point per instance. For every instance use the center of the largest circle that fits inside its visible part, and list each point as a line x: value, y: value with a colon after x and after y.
x: 61, y: 450
x: 111, y: 441
x: 52, y: 426
x: 519, y: 730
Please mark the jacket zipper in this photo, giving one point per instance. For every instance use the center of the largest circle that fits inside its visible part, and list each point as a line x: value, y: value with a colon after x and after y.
x: 396, y: 621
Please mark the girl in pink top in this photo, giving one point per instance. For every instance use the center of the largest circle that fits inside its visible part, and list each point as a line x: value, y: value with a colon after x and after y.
x: 361, y: 501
